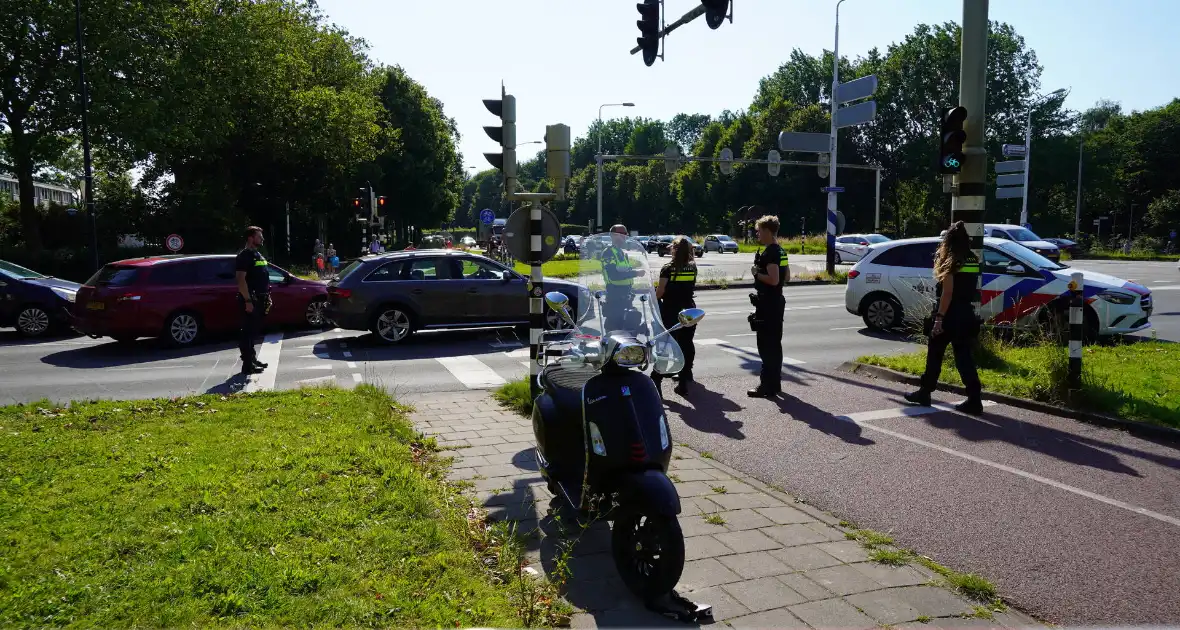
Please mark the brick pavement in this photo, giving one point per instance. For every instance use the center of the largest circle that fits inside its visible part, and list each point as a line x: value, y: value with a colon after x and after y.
x: 761, y: 558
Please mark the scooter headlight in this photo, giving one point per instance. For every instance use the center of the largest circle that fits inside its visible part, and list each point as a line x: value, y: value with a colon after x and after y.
x: 664, y: 433
x: 630, y: 355
x: 596, y: 442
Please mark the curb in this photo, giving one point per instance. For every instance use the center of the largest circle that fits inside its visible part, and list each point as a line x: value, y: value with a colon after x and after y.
x: 750, y: 285
x: 1141, y: 429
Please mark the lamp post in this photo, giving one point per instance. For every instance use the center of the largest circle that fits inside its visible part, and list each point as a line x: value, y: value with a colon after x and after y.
x: 89, y: 171
x: 831, y: 222
x: 598, y: 156
x: 1028, y: 149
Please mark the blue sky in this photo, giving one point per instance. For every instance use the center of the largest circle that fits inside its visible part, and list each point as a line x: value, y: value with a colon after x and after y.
x: 563, y: 58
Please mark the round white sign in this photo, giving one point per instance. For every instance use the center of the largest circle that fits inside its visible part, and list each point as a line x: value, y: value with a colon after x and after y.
x: 174, y: 243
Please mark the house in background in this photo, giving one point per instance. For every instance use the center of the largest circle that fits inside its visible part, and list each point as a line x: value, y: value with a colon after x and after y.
x: 43, y: 192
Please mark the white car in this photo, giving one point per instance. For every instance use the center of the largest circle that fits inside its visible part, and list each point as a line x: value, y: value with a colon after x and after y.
x: 852, y: 247
x: 721, y: 243
x: 894, y: 283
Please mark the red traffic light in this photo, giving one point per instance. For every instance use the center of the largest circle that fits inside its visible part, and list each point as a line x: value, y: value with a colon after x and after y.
x: 356, y: 202
x: 381, y: 201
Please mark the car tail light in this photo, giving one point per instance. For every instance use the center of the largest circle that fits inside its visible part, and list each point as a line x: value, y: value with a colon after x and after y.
x: 340, y: 293
x: 865, y: 243
x: 853, y: 274
x: 129, y: 297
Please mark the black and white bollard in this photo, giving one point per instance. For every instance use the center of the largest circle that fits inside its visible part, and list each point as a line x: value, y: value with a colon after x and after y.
x: 536, y: 299
x: 1076, y: 329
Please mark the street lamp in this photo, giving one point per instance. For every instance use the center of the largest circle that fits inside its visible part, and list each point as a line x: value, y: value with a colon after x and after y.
x: 89, y: 171
x: 598, y: 157
x: 1028, y: 148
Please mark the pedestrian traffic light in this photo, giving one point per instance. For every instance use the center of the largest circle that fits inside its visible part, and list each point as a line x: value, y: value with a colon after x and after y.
x: 716, y: 11
x: 951, y: 139
x: 649, y: 30
x: 557, y: 157
x: 505, y: 135
x: 381, y: 203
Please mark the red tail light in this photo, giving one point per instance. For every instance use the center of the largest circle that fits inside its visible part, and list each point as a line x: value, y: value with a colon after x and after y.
x: 340, y: 293
x: 129, y: 297
x: 638, y: 453
x: 853, y: 274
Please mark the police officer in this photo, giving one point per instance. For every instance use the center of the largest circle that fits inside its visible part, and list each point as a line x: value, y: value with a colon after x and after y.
x: 618, y: 272
x: 678, y: 281
x: 770, y: 274
x: 253, y: 297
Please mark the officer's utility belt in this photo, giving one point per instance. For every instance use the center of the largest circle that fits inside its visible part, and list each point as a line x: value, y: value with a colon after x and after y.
x: 760, y: 301
x: 260, y: 298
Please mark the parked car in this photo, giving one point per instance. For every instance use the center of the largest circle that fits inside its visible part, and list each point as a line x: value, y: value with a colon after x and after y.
x: 664, y: 246
x: 1025, y: 237
x: 33, y: 303
x: 894, y: 283
x: 468, y: 242
x: 1065, y: 245
x: 180, y: 299
x: 721, y: 243
x: 655, y: 243
x: 571, y: 244
x: 396, y: 294
x: 852, y: 247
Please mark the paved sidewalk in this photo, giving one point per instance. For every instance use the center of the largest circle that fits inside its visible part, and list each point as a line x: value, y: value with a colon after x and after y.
x: 761, y: 558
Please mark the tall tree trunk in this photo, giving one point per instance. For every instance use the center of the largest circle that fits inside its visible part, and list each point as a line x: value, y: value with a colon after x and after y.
x: 22, y: 162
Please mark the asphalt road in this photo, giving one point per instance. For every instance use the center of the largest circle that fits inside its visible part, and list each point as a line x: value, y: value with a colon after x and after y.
x: 1075, y: 524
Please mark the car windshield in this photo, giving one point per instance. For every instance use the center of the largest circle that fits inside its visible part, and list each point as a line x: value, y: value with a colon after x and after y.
x: 112, y: 276
x: 1022, y: 235
x: 724, y: 237
x: 876, y: 238
x: 16, y: 272
x: 1029, y: 256
x: 349, y: 268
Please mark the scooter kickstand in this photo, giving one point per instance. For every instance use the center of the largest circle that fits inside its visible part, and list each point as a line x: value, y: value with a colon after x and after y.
x: 676, y: 606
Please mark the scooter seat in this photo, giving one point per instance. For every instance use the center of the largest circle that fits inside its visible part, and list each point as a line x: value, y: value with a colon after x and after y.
x: 564, y: 384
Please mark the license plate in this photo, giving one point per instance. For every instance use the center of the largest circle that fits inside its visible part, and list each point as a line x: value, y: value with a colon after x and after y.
x: 96, y: 306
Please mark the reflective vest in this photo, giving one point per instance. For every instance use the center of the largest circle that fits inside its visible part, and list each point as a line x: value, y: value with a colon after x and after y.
x: 613, y: 261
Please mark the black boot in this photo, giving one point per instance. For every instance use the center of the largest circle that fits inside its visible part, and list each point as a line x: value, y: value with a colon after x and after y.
x: 973, y: 405
x: 920, y: 398
x: 682, y: 385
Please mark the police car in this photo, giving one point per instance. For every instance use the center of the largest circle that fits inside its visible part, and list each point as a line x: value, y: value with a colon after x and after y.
x: 894, y: 284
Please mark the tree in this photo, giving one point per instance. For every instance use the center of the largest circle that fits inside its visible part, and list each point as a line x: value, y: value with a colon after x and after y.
x: 685, y: 129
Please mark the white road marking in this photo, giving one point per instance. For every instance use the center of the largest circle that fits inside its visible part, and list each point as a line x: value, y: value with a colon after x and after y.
x: 272, y: 345
x: 520, y: 352
x: 745, y: 351
x: 309, y: 346
x: 321, y: 380
x: 472, y: 372
x: 351, y: 365
x: 708, y: 341
x: 743, y: 335
x: 527, y: 363
x: 310, y: 356
x: 847, y: 328
x: 313, y: 338
x: 1170, y: 287
x: 356, y: 378
x: 862, y: 419
x: 317, y: 367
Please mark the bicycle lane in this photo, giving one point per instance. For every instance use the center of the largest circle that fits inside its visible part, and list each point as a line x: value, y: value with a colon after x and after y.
x: 1075, y: 524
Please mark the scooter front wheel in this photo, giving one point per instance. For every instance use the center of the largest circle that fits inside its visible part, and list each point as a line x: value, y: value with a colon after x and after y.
x: 649, y: 552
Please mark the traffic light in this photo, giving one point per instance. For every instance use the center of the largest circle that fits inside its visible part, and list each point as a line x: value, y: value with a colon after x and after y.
x: 381, y: 203
x: 716, y: 11
x: 649, y: 30
x: 505, y: 135
x: 557, y: 157
x: 356, y: 204
x: 951, y: 139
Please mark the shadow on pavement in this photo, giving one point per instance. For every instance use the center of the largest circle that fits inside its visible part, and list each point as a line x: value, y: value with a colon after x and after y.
x: 433, y: 344
x: 232, y: 385
x: 706, y: 411
x: 752, y: 363
x: 115, y: 354
x: 821, y: 420
x: 9, y: 337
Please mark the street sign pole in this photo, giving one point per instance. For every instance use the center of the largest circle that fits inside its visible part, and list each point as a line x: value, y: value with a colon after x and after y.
x: 967, y: 205
x: 831, y: 241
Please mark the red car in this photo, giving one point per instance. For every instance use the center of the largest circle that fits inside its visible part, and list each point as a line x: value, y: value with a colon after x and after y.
x: 181, y: 298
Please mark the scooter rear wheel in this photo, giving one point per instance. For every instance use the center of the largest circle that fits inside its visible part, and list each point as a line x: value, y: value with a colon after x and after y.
x: 649, y: 553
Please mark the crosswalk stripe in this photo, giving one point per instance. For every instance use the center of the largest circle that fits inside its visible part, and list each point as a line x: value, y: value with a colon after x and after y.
x: 471, y: 372
x: 321, y: 380
x: 317, y: 367
x: 356, y: 378
x: 521, y: 352
x: 709, y: 341
x: 746, y: 351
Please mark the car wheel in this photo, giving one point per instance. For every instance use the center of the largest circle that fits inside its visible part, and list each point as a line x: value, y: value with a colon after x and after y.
x: 837, y: 257
x: 315, y: 313
x: 392, y: 324
x: 32, y: 321
x: 882, y: 312
x: 182, y: 329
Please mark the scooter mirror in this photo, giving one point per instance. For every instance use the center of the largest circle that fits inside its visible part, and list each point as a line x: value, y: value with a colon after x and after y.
x: 691, y: 316
x: 560, y: 302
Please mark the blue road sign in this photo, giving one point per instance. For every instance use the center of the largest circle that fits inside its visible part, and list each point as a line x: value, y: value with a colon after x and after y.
x: 486, y: 216
x: 835, y: 189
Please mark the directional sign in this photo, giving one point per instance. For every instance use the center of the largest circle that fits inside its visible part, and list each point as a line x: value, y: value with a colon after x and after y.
x: 856, y: 89
x: 1011, y: 166
x: 856, y: 114
x: 486, y: 216
x: 833, y: 189
x: 672, y: 158
x: 174, y: 243
x: 824, y: 170
x: 1015, y: 192
x: 1015, y: 150
x: 805, y: 142
x: 1010, y: 180
x: 726, y: 161
x: 774, y: 167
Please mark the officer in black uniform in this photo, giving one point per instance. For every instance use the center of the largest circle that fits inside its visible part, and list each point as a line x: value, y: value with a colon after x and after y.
x: 618, y: 272
x: 678, y: 281
x: 770, y: 274
x: 253, y: 297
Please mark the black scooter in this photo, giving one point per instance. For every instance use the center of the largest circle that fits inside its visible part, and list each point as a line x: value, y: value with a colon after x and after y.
x: 604, y: 446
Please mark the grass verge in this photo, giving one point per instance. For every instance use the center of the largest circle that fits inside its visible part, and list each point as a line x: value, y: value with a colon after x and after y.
x: 1117, y: 254
x: 307, y: 507
x: 1128, y: 380
x: 516, y: 396
x: 569, y: 268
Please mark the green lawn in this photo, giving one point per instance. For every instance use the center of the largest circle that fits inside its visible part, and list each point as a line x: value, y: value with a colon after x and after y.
x: 312, y: 507
x: 569, y: 268
x: 1139, y: 381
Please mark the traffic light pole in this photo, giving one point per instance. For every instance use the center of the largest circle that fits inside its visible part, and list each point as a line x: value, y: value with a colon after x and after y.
x: 967, y: 204
x: 832, y: 198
